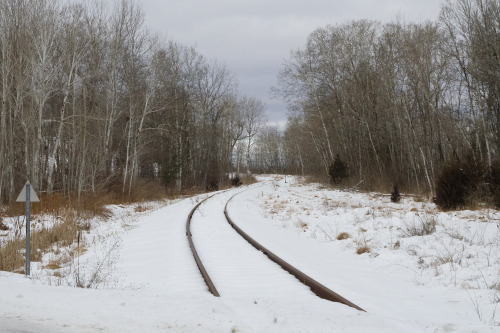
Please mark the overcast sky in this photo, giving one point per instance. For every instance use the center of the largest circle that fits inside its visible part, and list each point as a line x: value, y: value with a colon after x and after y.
x: 253, y: 38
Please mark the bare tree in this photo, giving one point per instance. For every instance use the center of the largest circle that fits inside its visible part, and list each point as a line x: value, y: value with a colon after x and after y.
x: 252, y: 114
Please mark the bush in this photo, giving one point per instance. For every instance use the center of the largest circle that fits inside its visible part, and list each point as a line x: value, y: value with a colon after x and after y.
x: 236, y: 181
x: 212, y: 185
x: 395, y: 196
x: 457, y: 182
x: 338, y: 171
x: 451, y: 187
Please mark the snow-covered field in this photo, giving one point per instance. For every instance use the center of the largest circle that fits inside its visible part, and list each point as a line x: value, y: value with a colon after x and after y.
x: 144, y: 278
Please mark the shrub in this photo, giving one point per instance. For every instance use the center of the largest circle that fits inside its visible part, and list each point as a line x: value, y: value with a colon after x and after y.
x: 338, y: 170
x: 395, y: 196
x: 456, y: 182
x: 451, y: 187
x: 236, y: 181
x: 213, y: 185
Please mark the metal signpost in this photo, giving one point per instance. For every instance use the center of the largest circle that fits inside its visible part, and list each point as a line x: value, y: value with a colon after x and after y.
x: 28, y: 195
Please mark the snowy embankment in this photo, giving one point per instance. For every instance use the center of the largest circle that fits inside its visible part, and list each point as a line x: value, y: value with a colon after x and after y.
x: 445, y: 280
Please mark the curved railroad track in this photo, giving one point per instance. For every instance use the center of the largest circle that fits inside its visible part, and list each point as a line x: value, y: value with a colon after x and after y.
x: 316, y: 287
x: 203, y: 271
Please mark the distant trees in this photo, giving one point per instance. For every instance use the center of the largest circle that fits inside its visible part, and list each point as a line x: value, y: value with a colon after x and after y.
x: 253, y: 116
x: 269, y: 156
x: 398, y: 101
x: 91, y: 100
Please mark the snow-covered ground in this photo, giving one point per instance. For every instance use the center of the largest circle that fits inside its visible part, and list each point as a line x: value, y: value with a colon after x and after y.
x: 144, y: 277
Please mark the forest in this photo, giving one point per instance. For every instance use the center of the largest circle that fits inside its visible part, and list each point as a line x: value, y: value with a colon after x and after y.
x: 93, y: 101
x: 400, y: 102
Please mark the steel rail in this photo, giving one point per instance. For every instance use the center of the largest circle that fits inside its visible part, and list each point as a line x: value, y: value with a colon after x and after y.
x: 203, y: 271
x: 316, y: 287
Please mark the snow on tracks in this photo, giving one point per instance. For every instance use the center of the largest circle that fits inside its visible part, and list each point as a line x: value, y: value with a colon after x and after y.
x: 243, y: 267
x: 236, y: 268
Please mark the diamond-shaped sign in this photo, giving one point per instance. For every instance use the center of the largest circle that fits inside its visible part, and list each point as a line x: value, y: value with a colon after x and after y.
x: 22, y: 196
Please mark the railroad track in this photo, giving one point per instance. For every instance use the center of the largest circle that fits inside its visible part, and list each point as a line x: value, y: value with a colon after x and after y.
x: 203, y: 271
x: 304, y: 280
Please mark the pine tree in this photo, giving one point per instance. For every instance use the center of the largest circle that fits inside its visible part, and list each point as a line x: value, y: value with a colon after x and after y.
x: 395, y: 196
x: 338, y: 171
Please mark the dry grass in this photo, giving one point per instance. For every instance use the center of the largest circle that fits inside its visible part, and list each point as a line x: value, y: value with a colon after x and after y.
x: 60, y: 235
x: 147, y: 191
x: 425, y: 225
x: 63, y: 234
x: 93, y: 204
x: 302, y: 225
x: 53, y: 265
x: 363, y: 249
x: 249, y: 179
x: 343, y: 235
x: 11, y: 257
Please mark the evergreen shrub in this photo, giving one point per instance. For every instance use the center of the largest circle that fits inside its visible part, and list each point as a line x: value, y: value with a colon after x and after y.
x: 338, y: 171
x: 395, y: 196
x: 236, y: 181
x: 457, y: 182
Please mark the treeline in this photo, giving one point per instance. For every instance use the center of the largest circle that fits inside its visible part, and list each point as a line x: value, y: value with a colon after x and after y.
x: 91, y: 100
x: 396, y: 101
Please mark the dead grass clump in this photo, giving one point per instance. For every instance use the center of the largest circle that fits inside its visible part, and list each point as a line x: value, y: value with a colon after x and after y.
x: 11, y: 256
x: 249, y: 179
x: 52, y: 265
x: 302, y: 225
x: 425, y: 225
x: 60, y: 235
x: 343, y: 235
x: 363, y: 249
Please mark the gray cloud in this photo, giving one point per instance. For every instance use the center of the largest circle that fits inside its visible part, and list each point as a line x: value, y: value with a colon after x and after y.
x: 254, y: 37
